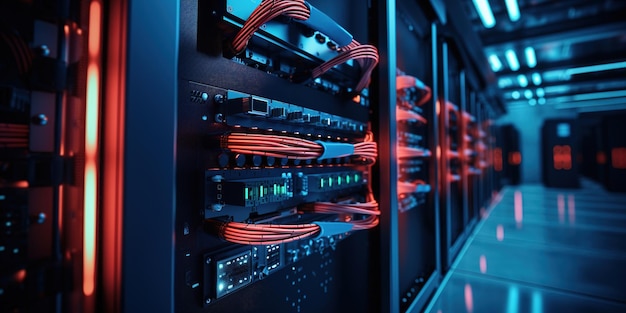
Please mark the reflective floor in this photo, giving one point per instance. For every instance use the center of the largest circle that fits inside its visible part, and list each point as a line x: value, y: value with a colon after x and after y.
x: 542, y: 250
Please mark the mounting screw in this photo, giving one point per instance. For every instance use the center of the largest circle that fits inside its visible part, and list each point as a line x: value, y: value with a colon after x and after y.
x: 40, y: 119
x: 41, y: 217
x: 208, y: 261
x: 219, y: 117
x: 207, y: 300
x: 219, y: 98
x: 217, y: 207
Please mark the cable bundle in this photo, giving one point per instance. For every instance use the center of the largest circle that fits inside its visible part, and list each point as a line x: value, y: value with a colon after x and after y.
x: 406, y: 84
x: 265, y: 12
x: 405, y: 152
x: 369, y: 208
x: 295, y: 148
x: 13, y: 135
x: 366, y: 55
x: 266, y: 234
x: 408, y: 115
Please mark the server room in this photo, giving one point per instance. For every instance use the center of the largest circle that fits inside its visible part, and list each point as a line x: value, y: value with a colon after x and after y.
x: 305, y: 156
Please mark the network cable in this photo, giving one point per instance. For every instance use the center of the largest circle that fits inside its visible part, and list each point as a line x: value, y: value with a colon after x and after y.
x: 265, y: 12
x: 298, y: 148
x: 366, y: 55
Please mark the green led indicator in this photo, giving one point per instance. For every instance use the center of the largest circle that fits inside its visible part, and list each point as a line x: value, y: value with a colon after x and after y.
x: 322, y: 180
x: 339, y: 180
x: 283, y: 189
x: 347, y: 179
x: 275, y: 189
x: 246, y: 193
x: 330, y: 181
x: 356, y: 178
x: 261, y: 192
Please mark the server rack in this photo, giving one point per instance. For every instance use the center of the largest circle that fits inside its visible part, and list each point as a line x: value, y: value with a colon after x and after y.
x: 416, y: 125
x: 559, y: 150
x: 168, y: 93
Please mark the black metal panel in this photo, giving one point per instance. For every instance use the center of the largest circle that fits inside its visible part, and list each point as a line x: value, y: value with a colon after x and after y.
x: 150, y: 157
x: 615, y: 152
x: 384, y: 34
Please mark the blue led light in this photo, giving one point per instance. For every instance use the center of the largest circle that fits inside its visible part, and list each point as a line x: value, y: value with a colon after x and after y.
x: 522, y: 80
x: 511, y: 58
x: 528, y: 94
x: 536, y: 79
x: 531, y: 58
x: 495, y: 63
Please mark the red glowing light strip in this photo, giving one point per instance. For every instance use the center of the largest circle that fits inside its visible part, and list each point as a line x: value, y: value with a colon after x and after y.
x: 91, y: 149
x: 113, y: 156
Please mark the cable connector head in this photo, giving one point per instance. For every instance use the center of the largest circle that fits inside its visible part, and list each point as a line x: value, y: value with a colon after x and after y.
x: 328, y: 229
x: 335, y: 149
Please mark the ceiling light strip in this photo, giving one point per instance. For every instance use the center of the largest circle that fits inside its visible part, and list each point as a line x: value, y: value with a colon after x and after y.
x: 596, y: 68
x: 531, y: 58
x: 484, y: 11
x: 511, y: 58
x: 513, y: 9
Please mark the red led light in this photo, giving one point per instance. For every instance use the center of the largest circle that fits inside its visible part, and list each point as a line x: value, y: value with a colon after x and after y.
x: 562, y: 157
x: 515, y: 158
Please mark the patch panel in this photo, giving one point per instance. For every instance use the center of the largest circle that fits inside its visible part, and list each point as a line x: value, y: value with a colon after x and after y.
x: 244, y: 110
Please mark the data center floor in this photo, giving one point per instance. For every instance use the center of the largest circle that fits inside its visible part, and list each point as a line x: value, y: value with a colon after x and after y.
x: 542, y: 250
